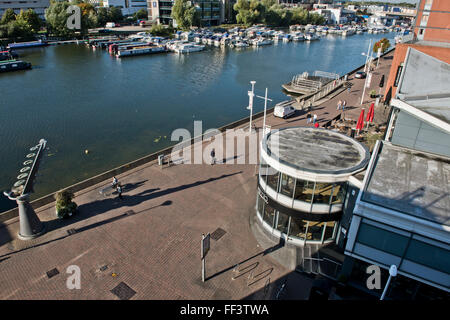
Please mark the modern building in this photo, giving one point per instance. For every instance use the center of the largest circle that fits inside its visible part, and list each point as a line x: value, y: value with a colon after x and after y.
x: 402, y: 214
x: 430, y: 35
x: 128, y: 7
x: 306, y: 178
x: 211, y: 11
x: 334, y: 14
x: 39, y: 6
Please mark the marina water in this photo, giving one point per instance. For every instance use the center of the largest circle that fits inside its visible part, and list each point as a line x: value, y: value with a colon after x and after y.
x: 122, y: 109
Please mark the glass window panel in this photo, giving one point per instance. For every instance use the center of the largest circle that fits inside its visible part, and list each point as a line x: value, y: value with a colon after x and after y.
x: 263, y: 170
x: 287, y: 185
x: 272, y: 179
x: 329, y: 230
x: 304, y: 190
x: 269, y: 215
x: 381, y: 239
x: 297, y: 228
x: 282, y: 222
x: 260, y: 206
x: 338, y: 193
x: 322, y: 193
x: 429, y: 255
x: 315, y: 230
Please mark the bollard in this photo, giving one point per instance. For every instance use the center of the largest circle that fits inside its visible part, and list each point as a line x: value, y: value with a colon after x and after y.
x: 161, y: 159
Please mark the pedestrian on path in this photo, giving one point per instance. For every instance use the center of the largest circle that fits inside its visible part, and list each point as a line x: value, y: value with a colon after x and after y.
x: 213, y: 156
x: 115, y: 182
x: 315, y: 118
x: 339, y: 105
x: 308, y: 117
x: 349, y: 89
x: 344, y: 104
x: 119, y: 191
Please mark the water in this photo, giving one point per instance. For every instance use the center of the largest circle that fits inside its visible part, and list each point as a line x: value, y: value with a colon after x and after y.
x: 121, y: 110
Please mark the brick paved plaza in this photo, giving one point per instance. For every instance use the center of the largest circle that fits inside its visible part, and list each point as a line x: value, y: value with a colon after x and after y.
x: 150, y: 240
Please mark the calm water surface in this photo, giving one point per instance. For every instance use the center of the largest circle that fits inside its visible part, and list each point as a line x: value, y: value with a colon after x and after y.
x: 119, y: 110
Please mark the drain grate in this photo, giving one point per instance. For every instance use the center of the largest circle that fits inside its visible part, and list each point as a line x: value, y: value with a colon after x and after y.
x: 123, y: 291
x: 130, y: 212
x: 71, y: 231
x: 52, y: 273
x: 217, y: 234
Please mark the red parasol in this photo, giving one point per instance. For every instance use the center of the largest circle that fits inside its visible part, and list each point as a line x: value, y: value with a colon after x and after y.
x: 360, y: 123
x: 370, y: 113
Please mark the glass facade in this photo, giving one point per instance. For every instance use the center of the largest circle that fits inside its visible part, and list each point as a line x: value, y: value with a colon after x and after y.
x: 310, y: 192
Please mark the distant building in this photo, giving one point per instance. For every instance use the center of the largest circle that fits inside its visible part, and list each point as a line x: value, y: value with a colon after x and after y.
x: 39, y: 6
x: 128, y: 7
x: 212, y: 12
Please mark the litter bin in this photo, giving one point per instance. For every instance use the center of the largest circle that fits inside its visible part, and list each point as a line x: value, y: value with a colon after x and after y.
x: 346, y: 77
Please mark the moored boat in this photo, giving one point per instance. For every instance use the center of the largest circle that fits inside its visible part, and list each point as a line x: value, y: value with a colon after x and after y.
x: 14, y: 65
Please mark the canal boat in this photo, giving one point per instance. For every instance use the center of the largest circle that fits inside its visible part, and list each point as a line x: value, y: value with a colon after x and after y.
x: 140, y: 51
x: 14, y: 65
x: 30, y: 44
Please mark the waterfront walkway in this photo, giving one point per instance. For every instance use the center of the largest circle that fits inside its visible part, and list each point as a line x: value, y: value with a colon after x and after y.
x: 147, y: 246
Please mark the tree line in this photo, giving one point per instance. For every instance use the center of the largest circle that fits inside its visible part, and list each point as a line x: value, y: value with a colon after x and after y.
x: 27, y: 23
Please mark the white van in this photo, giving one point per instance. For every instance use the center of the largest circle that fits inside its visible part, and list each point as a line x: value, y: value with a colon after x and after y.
x: 110, y: 25
x: 284, y: 110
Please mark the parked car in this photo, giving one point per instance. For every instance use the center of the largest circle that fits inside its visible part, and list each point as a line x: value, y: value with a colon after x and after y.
x: 110, y: 25
x: 282, y: 110
x: 360, y: 75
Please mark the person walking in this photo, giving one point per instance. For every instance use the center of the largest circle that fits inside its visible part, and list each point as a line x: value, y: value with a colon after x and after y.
x: 119, y: 192
x: 349, y: 89
x: 344, y: 104
x: 213, y: 156
x: 339, y: 105
x: 115, y: 182
x: 308, y: 118
x: 314, y: 118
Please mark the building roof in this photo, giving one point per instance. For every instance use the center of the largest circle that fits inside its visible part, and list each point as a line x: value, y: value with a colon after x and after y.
x: 316, y: 150
x: 425, y: 85
x: 411, y: 182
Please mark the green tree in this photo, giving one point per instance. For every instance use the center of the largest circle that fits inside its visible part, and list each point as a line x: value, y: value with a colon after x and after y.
x: 32, y: 19
x: 251, y: 12
x: 56, y: 16
x: 8, y: 16
x: 141, y: 14
x: 384, y: 44
x: 299, y: 16
x: 185, y: 14
x: 102, y: 16
x: 115, y: 14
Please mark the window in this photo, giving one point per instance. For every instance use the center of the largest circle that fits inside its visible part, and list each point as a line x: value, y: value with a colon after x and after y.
x: 381, y: 239
x: 282, y: 222
x: 338, y: 193
x: 315, y: 230
x: 304, y: 190
x: 287, y: 185
x: 399, y: 72
x: 269, y: 215
x: 322, y: 193
x: 260, y: 206
x: 329, y: 230
x: 297, y: 228
x: 263, y: 170
x: 429, y: 255
x: 272, y: 179
x: 154, y: 4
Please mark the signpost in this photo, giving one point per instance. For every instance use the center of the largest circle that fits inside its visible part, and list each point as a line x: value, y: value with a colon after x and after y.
x: 205, y: 248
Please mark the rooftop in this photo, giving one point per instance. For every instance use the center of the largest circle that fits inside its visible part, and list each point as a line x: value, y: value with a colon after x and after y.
x: 415, y: 183
x: 321, y: 150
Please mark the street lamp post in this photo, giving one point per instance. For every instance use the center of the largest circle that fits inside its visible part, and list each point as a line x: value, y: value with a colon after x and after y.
x: 251, y: 95
x: 392, y: 273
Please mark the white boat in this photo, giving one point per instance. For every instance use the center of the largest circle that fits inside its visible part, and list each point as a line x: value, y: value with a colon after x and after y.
x: 287, y: 38
x: 188, y: 47
x: 261, y: 42
x: 311, y: 37
x: 298, y: 37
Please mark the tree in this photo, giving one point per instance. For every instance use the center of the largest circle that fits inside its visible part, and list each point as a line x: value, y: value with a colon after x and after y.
x: 250, y: 13
x: 141, y: 14
x: 8, y: 16
x: 115, y: 14
x: 32, y: 19
x: 384, y: 44
x: 185, y: 14
x: 102, y: 16
x: 56, y: 16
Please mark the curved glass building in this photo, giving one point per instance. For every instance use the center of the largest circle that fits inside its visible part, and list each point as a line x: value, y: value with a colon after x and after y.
x: 302, y: 183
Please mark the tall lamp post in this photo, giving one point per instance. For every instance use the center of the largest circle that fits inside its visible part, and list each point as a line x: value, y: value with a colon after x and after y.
x: 251, y: 95
x: 392, y: 273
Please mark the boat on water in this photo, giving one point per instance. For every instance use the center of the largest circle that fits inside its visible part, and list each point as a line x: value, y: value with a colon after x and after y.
x: 30, y: 44
x: 8, y: 55
x: 287, y: 38
x: 298, y: 37
x: 14, y: 65
x: 188, y: 48
x: 261, y: 42
x: 140, y: 51
x: 311, y: 37
x: 239, y: 44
